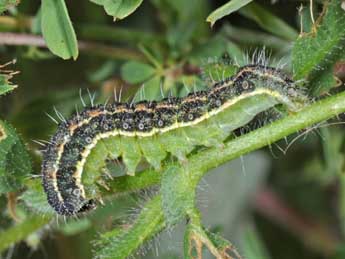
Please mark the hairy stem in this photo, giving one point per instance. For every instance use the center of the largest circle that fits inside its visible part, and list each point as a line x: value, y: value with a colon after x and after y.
x: 121, y: 244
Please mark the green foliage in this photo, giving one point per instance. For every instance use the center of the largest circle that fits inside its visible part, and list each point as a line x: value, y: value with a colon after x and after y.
x: 168, y: 48
x: 119, y: 9
x: 135, y: 72
x: 269, y: 22
x: 228, y: 8
x: 57, y: 29
x: 6, y: 4
x: 5, y: 85
x: 315, y: 52
x: 15, y: 164
x: 35, y: 199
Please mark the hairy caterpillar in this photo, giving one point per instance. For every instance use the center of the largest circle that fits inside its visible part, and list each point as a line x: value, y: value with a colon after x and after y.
x: 153, y: 129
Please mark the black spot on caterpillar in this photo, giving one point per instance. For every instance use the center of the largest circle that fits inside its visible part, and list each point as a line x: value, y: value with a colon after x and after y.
x: 153, y: 129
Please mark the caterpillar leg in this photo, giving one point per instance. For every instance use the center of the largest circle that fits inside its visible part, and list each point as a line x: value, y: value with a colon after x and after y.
x: 153, y: 151
x: 131, y: 153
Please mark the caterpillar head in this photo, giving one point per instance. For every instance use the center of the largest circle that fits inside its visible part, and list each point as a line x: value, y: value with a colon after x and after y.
x: 274, y: 79
x: 88, y: 205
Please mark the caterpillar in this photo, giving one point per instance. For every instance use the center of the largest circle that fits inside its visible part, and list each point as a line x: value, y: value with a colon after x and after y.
x: 154, y: 129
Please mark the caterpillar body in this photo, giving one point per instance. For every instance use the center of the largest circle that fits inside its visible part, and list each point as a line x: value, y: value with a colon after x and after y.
x: 154, y: 129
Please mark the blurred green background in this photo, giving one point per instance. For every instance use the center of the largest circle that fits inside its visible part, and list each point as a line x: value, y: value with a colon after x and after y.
x: 283, y: 202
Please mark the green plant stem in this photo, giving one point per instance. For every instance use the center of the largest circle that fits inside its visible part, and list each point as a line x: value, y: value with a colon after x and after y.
x: 123, y: 243
x: 21, y: 231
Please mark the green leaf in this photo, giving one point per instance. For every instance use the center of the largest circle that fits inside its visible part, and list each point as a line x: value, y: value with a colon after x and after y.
x: 5, y: 75
x: 215, y: 47
x: 119, y: 9
x: 136, y: 72
x: 15, y: 164
x: 6, y: 4
x: 57, y: 29
x: 5, y: 86
x: 150, y: 90
x: 228, y: 8
x: 315, y: 53
x: 216, y: 70
x: 35, y: 199
x: 268, y: 21
x: 36, y: 27
x: 105, y: 71
x: 253, y: 246
x: 184, y: 24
